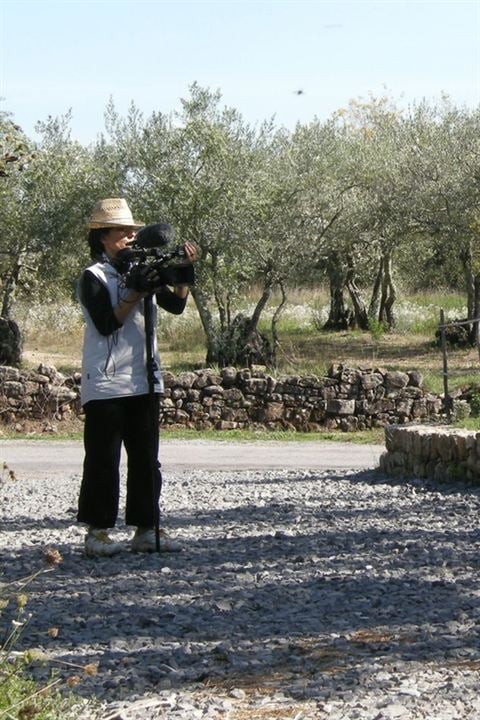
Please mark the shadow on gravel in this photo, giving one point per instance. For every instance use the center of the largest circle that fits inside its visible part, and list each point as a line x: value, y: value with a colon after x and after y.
x: 270, y: 591
x: 27, y: 524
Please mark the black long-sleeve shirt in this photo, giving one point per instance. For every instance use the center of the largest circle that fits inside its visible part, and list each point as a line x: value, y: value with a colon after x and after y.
x: 96, y: 299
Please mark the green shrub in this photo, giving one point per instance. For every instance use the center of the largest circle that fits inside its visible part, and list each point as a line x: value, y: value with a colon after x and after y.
x: 475, y: 403
x: 461, y: 410
x: 376, y: 328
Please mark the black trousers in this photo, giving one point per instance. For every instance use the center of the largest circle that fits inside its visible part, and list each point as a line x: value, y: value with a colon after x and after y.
x: 133, y: 421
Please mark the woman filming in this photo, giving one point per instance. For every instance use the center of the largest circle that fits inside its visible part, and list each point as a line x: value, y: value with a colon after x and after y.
x: 116, y: 394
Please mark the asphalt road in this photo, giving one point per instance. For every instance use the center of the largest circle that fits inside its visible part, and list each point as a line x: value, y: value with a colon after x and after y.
x: 55, y: 457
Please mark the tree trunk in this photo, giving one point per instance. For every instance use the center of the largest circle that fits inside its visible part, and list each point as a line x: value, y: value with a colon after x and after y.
x: 359, y: 309
x: 239, y: 343
x: 244, y: 347
x: 339, y: 317
x: 212, y: 334
x: 222, y: 310
x: 243, y: 344
x: 475, y: 331
x: 374, y: 306
x: 467, y: 264
x: 10, y: 283
x: 11, y: 341
x: 471, y: 284
x: 260, y: 306
x: 275, y: 318
x: 389, y: 293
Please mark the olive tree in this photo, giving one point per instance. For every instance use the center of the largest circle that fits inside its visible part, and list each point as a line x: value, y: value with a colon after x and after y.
x: 326, y: 205
x: 15, y: 154
x: 218, y: 182
x: 43, y: 207
x: 443, y: 161
x: 378, y: 222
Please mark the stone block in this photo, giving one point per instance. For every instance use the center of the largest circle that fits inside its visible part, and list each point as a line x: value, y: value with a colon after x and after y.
x: 415, y: 378
x: 178, y: 393
x: 446, y: 448
x: 371, y: 381
x: 349, y: 424
x: 411, y: 392
x: 8, y: 373
x: 186, y: 379
x: 213, y: 390
x: 419, y: 470
x: 340, y: 407
x: 256, y: 386
x: 395, y: 381
x: 274, y: 411
x: 226, y: 425
x: 181, y: 416
x: 168, y: 379
x: 13, y: 389
x: 329, y: 393
x: 460, y: 448
x: 419, y: 408
x: 233, y: 396
x: 403, y: 406
x: 193, y: 395
x: 229, y: 376
x: 193, y: 408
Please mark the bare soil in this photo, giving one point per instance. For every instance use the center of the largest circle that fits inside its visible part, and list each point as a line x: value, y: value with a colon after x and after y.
x: 34, y: 358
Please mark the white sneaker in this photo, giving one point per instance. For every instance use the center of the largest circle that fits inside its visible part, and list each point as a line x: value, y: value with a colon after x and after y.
x: 98, y: 543
x: 144, y: 541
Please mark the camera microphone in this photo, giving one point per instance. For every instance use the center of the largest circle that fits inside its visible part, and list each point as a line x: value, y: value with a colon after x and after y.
x: 152, y: 236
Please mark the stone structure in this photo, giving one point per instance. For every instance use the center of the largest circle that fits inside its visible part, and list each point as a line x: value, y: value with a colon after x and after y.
x: 346, y: 399
x: 43, y: 394
x: 440, y: 453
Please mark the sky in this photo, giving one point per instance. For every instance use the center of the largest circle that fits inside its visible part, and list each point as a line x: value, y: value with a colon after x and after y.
x: 290, y: 60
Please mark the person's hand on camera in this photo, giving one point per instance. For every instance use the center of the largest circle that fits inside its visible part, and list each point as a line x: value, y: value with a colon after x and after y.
x: 143, y: 279
x: 191, y: 255
x: 191, y: 252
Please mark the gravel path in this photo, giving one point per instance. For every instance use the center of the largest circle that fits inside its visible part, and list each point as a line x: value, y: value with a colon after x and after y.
x: 300, y: 594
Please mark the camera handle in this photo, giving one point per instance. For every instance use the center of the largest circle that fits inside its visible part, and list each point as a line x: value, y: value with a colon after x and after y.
x: 152, y: 368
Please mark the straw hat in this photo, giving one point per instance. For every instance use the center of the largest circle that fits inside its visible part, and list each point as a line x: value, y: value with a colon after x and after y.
x: 112, y: 212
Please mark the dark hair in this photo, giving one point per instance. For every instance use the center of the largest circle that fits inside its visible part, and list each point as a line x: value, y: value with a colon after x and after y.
x: 94, y: 240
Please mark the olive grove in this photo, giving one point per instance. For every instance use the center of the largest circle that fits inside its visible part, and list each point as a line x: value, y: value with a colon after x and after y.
x: 370, y: 200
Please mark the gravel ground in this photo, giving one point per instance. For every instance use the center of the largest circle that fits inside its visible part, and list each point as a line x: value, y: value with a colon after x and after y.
x: 298, y: 595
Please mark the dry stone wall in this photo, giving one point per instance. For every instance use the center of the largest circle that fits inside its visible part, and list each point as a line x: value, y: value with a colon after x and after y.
x: 347, y: 399
x: 440, y: 453
x: 43, y: 394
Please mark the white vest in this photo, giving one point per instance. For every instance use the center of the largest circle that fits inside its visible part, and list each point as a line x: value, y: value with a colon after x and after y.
x: 115, y: 365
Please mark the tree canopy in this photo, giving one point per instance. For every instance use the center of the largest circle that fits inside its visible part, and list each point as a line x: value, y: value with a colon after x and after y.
x: 372, y: 199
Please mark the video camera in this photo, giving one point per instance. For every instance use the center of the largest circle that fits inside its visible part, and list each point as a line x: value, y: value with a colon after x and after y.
x: 144, y: 266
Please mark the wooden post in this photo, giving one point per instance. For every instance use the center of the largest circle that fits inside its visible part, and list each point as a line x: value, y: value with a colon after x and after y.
x: 477, y: 335
x: 443, y: 338
x: 476, y: 322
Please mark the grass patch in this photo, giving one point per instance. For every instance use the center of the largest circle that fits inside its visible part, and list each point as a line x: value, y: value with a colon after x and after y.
x: 75, y: 434
x: 374, y: 436
x: 21, y: 697
x: 449, y: 301
x: 471, y: 423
